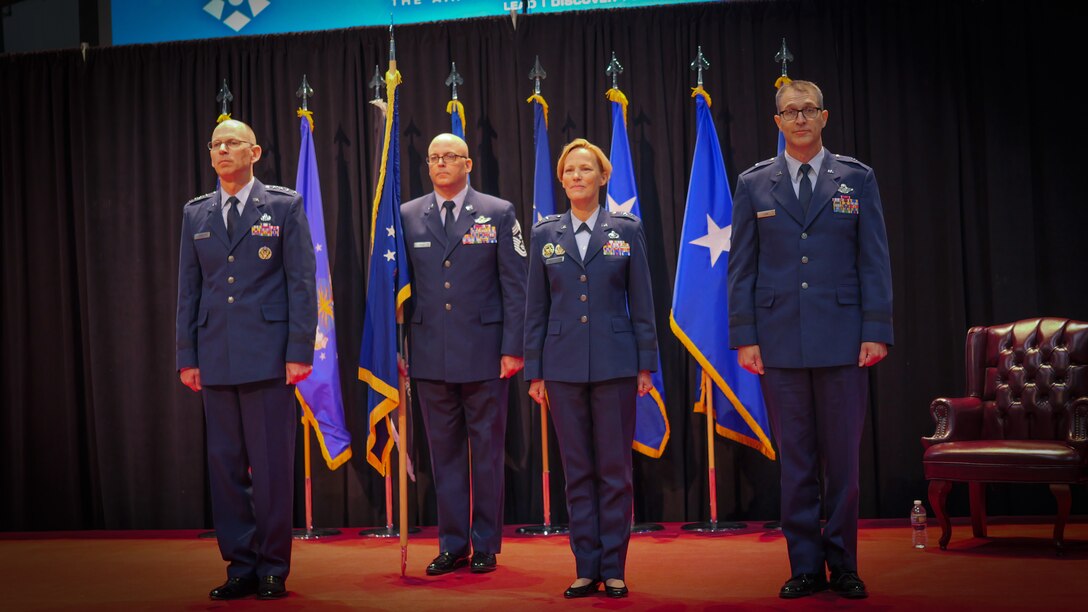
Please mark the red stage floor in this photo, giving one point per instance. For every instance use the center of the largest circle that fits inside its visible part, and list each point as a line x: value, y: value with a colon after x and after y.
x: 671, y: 570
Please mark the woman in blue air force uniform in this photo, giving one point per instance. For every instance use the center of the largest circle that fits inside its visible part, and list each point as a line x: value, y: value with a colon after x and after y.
x: 590, y: 339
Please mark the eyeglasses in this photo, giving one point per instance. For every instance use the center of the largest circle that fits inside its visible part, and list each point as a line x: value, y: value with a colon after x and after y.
x: 232, y: 144
x: 790, y: 114
x: 448, y: 158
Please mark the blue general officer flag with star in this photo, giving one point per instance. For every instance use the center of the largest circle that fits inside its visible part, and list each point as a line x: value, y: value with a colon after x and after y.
x: 651, y: 421
x: 319, y: 395
x: 388, y: 287
x: 543, y: 193
x: 700, y: 313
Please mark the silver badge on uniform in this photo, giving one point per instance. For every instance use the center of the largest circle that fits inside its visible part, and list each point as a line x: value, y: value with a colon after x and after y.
x: 613, y: 235
x: 266, y: 217
x: 844, y: 188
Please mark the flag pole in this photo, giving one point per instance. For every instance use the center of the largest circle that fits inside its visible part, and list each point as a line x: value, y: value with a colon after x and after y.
x: 402, y: 413
x: 224, y: 98
x: 310, y: 533
x: 536, y: 74
x: 713, y: 525
x: 546, y: 529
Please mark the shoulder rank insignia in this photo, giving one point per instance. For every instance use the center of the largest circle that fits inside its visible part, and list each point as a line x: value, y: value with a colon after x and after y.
x: 200, y: 197
x: 281, y: 189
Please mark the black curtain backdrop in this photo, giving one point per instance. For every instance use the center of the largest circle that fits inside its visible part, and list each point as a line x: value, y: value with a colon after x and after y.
x: 963, y: 108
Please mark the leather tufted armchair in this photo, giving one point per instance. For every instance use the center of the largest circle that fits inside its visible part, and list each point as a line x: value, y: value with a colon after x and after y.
x: 1025, y: 418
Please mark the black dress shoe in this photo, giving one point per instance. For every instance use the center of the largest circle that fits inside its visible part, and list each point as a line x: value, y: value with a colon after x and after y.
x: 272, y: 587
x: 847, y: 584
x: 445, y: 563
x: 583, y: 591
x: 615, y: 592
x: 483, y: 563
x: 803, y: 585
x: 234, y: 588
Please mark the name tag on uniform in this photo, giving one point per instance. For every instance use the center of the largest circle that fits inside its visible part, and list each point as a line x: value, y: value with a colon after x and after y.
x: 421, y: 245
x: 763, y: 214
x: 202, y: 235
x: 554, y: 260
x: 481, y: 234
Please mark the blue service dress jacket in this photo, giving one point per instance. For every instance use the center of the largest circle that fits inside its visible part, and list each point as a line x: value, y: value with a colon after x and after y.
x: 249, y: 305
x: 809, y: 289
x: 468, y: 296
x: 589, y: 320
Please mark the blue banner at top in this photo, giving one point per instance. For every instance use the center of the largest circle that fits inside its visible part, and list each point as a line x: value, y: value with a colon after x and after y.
x: 148, y: 21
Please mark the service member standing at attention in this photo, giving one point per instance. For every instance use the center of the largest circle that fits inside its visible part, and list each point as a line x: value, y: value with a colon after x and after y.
x: 468, y: 305
x: 247, y: 315
x: 810, y: 310
x: 590, y: 339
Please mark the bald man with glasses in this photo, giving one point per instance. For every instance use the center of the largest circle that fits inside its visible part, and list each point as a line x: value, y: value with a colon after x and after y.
x: 246, y: 321
x: 468, y: 263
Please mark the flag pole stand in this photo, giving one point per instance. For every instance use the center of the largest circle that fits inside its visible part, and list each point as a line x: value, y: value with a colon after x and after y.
x: 390, y: 530
x: 713, y: 525
x: 547, y: 528
x: 310, y: 533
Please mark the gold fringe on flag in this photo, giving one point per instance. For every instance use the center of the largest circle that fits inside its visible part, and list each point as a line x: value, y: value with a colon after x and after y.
x: 543, y: 104
x: 309, y: 114
x: 455, y: 105
x: 615, y: 95
x: 699, y: 91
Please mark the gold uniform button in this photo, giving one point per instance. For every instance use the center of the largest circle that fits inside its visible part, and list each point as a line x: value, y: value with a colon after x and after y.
x: 447, y: 263
x: 230, y: 280
x: 446, y: 284
x: 582, y: 278
x: 583, y: 297
x: 230, y: 300
x: 230, y: 258
x: 449, y: 306
x: 584, y: 319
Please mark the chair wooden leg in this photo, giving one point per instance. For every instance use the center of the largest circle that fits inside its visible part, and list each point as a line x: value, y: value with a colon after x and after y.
x: 978, y: 508
x: 938, y: 498
x: 1065, y: 500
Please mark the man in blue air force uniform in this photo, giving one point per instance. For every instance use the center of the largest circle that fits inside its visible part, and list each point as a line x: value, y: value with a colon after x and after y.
x: 465, y: 343
x: 810, y: 310
x: 247, y: 315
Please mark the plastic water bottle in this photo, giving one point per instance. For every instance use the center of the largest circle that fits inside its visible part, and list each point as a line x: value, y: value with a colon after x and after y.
x: 918, y: 524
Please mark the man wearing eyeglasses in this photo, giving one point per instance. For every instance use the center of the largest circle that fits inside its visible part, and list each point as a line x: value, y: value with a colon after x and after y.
x: 810, y: 310
x: 465, y: 343
x: 247, y: 311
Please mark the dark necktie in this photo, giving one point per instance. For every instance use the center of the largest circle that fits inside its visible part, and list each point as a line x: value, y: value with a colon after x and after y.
x: 233, y: 217
x: 449, y: 220
x: 804, y: 192
x: 583, y: 228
